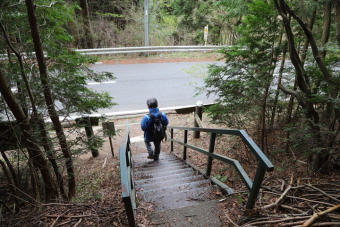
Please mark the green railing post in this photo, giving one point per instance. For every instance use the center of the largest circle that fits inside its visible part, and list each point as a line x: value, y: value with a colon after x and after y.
x: 129, y: 211
x: 264, y: 164
x: 260, y: 171
x: 211, y: 150
x: 126, y: 175
x: 172, y: 142
x: 185, y: 147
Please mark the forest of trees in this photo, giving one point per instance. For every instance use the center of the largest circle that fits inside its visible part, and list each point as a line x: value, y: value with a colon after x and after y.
x: 282, y: 72
x: 42, y: 78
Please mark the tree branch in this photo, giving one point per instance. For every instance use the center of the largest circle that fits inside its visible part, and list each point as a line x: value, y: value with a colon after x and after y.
x: 315, y: 50
x: 288, y: 91
x: 319, y: 214
x: 296, y: 61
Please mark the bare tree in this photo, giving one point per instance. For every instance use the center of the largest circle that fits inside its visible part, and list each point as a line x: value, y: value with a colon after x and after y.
x: 33, y: 149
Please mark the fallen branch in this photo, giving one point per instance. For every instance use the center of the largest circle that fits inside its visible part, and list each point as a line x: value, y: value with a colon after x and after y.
x: 297, y: 223
x: 55, y: 221
x: 230, y: 220
x: 72, y: 216
x: 292, y: 208
x: 334, y: 216
x: 64, y: 223
x: 276, y: 221
x: 78, y: 223
x: 323, y: 192
x: 320, y: 214
x: 104, y: 164
x: 327, y: 224
x: 299, y: 198
x: 63, y: 204
x: 276, y: 203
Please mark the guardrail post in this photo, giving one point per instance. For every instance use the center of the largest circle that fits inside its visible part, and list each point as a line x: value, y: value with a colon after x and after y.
x: 129, y: 211
x: 198, y: 111
x: 211, y: 150
x: 260, y: 171
x: 172, y: 137
x: 184, y: 147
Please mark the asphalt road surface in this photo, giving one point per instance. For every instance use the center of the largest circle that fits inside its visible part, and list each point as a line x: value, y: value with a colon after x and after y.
x: 173, y: 84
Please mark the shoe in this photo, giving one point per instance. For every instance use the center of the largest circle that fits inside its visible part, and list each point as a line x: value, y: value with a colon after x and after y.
x: 151, y: 156
x: 156, y: 158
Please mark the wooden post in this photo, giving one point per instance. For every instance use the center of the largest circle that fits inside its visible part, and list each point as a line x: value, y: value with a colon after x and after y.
x: 109, y: 130
x: 211, y: 150
x: 198, y: 111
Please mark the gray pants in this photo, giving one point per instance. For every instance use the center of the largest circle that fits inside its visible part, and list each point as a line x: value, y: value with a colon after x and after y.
x: 157, y: 145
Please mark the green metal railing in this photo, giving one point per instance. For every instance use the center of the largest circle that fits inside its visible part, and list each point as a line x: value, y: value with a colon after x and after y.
x: 263, y: 162
x: 126, y: 178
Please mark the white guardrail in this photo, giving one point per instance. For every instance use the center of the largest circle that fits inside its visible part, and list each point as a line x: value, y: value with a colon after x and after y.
x: 131, y: 50
x: 149, y: 49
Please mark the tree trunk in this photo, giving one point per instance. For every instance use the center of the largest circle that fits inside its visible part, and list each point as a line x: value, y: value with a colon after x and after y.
x: 48, y: 147
x: 278, y: 84
x: 318, y: 160
x: 48, y: 97
x: 34, y: 180
x: 273, y: 61
x: 7, y: 174
x: 10, y: 167
x: 326, y: 26
x: 39, y: 119
x: 86, y: 23
x: 75, y: 34
x: 306, y: 43
x: 263, y: 118
x: 337, y: 11
x: 33, y: 149
x: 11, y: 183
x: 303, y: 59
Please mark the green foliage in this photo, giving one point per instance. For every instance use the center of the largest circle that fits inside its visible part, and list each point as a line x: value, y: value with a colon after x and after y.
x: 220, y: 16
x: 89, y: 186
x: 240, y: 83
x: 221, y: 178
x: 69, y: 71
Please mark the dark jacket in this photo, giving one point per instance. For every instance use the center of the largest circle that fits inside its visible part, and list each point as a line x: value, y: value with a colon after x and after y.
x: 145, y: 124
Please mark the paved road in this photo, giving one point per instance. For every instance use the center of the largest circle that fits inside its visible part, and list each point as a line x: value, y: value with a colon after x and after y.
x: 173, y: 84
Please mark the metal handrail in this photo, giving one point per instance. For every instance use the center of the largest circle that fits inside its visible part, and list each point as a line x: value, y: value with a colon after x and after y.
x: 263, y: 162
x: 126, y: 178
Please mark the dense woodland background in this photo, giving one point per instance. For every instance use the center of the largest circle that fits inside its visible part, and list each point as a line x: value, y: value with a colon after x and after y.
x: 281, y: 74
